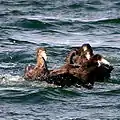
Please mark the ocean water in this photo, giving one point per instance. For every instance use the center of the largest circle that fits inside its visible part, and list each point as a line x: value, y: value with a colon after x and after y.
x: 57, y: 25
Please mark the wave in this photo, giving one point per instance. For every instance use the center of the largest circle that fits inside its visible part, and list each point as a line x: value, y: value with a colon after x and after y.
x: 12, y: 12
x: 109, y: 49
x: 32, y: 23
x: 12, y: 40
x: 15, y: 88
x: 51, y: 21
x: 106, y: 21
x: 117, y: 3
x: 79, y: 6
x: 53, y: 25
x: 46, y: 94
x: 92, y: 21
x: 16, y: 12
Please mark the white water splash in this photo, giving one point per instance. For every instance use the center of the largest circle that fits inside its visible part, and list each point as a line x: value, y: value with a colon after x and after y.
x: 8, y: 79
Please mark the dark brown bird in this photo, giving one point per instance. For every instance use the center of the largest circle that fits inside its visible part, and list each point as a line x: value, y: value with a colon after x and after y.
x: 83, y: 54
x: 83, y: 75
x: 90, y: 68
x: 79, y: 55
x: 40, y: 70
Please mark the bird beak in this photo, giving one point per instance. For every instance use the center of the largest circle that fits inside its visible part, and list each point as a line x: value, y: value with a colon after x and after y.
x: 44, y: 55
x: 88, y: 55
x: 103, y: 61
x: 84, y: 48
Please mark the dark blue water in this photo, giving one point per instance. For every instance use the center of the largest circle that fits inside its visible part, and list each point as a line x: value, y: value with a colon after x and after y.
x: 57, y: 25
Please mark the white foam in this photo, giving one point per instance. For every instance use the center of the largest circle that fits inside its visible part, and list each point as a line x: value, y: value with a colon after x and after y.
x: 8, y: 79
x: 17, y: 80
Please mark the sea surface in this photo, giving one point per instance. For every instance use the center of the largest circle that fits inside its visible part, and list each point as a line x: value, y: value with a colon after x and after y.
x: 59, y: 26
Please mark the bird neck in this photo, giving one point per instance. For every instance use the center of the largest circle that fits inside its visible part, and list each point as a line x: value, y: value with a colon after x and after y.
x: 40, y: 61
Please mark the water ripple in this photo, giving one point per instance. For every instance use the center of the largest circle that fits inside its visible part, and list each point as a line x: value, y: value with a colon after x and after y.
x: 29, y: 23
x: 59, y: 26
